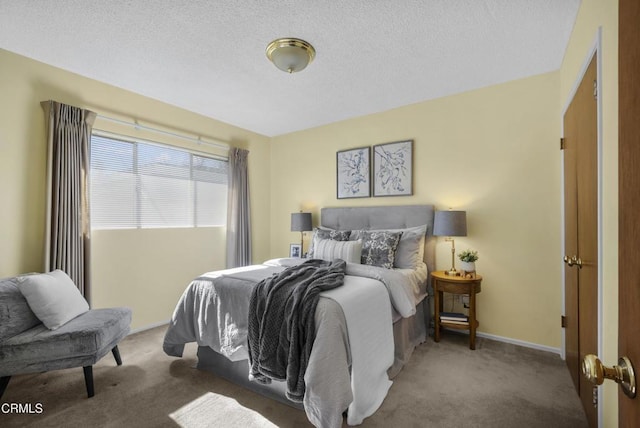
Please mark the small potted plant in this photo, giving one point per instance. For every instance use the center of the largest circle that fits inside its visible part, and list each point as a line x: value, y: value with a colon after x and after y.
x: 468, y: 262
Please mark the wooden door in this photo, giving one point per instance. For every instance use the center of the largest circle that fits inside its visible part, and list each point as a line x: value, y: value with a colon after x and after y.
x: 629, y: 200
x: 581, y: 233
x: 587, y: 173
x: 572, y: 350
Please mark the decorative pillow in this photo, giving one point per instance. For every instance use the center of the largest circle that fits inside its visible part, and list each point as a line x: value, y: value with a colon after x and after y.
x: 320, y: 233
x: 53, y: 297
x: 379, y: 247
x: 410, y: 251
x: 328, y: 249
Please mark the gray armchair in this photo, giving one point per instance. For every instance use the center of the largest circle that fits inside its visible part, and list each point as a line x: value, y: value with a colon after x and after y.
x: 27, y: 346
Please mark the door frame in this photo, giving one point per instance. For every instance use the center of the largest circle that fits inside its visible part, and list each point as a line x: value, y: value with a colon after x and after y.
x: 595, y: 50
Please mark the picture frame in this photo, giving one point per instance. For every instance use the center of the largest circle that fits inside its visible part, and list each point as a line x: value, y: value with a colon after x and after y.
x: 353, y: 173
x: 295, y: 251
x: 393, y: 169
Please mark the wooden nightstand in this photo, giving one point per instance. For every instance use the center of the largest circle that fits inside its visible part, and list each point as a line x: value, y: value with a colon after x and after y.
x: 456, y: 285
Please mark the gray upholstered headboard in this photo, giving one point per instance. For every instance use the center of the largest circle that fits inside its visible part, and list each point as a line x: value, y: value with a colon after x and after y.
x: 390, y: 217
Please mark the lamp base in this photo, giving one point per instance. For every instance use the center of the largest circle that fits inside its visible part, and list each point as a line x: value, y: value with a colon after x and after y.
x: 452, y: 272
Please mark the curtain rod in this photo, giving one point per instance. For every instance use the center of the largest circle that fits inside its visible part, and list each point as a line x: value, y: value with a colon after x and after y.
x: 198, y: 140
x: 130, y: 139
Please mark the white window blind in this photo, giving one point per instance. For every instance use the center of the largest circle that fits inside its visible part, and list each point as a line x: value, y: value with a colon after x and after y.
x: 144, y: 185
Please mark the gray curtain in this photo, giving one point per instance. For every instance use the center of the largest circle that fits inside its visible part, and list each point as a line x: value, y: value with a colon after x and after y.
x: 68, y: 229
x: 238, y: 212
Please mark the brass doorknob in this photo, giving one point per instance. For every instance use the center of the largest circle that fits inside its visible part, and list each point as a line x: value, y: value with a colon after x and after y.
x: 623, y: 374
x: 573, y: 261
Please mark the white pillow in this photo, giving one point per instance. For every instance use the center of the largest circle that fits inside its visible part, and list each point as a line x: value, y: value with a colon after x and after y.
x: 410, y: 250
x: 326, y: 233
x: 53, y: 297
x: 328, y: 249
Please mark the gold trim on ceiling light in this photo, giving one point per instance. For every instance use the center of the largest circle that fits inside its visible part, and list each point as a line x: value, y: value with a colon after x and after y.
x: 290, y: 54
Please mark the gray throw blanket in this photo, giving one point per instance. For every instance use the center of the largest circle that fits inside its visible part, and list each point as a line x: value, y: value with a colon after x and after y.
x: 282, y: 321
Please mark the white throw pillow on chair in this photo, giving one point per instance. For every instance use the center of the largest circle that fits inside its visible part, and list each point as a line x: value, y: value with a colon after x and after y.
x: 53, y: 297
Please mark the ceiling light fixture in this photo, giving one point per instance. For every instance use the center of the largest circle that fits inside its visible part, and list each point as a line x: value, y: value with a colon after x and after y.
x: 290, y: 55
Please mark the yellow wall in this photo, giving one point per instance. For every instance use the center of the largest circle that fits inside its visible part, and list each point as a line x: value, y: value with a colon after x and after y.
x: 594, y: 14
x: 172, y: 257
x: 493, y: 152
x: 148, y: 269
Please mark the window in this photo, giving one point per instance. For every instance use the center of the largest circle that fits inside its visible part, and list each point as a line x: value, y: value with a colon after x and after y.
x: 147, y: 185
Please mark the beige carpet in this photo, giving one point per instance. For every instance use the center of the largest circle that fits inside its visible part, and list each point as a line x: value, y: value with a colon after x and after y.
x: 444, y: 385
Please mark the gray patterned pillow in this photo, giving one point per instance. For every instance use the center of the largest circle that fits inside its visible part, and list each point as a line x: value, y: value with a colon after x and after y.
x: 336, y: 235
x: 379, y: 247
x: 410, y: 251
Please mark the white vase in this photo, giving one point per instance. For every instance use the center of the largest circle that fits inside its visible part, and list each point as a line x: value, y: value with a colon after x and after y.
x: 468, y: 267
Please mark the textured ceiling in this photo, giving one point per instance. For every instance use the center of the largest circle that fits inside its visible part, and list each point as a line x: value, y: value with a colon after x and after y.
x: 372, y: 55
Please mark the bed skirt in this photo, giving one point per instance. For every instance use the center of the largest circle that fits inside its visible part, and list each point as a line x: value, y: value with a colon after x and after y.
x: 238, y: 372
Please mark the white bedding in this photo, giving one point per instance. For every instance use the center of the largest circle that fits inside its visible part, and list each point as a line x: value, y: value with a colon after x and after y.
x: 348, y: 364
x: 366, y: 308
x: 406, y: 287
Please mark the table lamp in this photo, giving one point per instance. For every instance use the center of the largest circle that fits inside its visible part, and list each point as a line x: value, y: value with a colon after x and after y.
x: 301, y: 222
x: 449, y: 224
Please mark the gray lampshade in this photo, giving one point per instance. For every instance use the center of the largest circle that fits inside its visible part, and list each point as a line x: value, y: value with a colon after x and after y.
x: 300, y: 222
x: 450, y: 223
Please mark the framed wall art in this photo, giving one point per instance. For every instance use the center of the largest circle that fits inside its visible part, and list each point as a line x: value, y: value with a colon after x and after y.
x: 393, y: 169
x: 295, y: 250
x: 353, y: 173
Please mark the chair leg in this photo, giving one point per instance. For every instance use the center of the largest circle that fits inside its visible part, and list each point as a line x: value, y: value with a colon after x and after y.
x: 88, y: 380
x: 4, y: 381
x: 116, y: 355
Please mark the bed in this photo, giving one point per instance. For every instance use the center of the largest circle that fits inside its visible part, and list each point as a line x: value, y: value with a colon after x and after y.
x: 361, y: 341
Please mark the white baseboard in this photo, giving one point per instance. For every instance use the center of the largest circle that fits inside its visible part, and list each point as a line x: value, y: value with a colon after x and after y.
x: 149, y: 327
x: 520, y: 343
x: 515, y: 342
